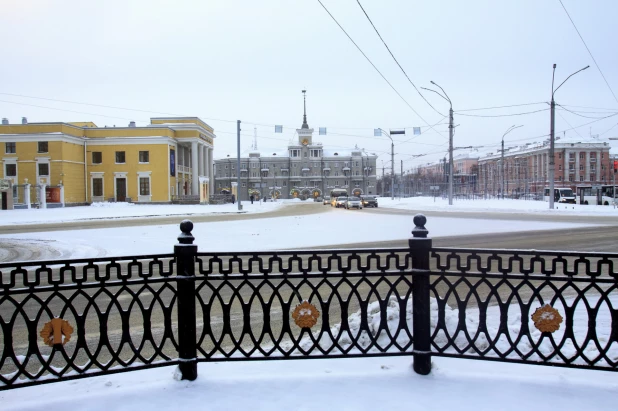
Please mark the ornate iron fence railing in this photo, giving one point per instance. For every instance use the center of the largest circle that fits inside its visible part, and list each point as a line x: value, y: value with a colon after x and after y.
x: 75, y: 318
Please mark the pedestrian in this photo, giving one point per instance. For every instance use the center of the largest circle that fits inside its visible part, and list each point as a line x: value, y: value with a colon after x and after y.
x: 264, y: 198
x: 251, y: 198
x: 233, y: 199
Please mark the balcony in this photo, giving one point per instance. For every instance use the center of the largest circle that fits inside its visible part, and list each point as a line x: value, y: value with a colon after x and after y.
x: 264, y: 170
x: 346, y: 168
x: 326, y: 169
x: 305, y: 169
x: 593, y: 160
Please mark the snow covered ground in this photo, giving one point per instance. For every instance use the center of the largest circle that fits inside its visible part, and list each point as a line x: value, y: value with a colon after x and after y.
x: 128, y: 210
x: 337, y: 227
x: 338, y: 384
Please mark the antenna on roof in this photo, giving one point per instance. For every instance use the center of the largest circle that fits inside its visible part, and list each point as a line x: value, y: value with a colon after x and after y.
x: 255, y: 138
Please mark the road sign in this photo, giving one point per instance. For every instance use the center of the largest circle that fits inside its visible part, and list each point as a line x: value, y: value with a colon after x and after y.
x: 434, y: 187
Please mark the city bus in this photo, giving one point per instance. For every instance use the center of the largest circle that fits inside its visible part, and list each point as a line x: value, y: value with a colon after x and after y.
x: 561, y: 195
x: 334, y: 193
x: 597, y: 194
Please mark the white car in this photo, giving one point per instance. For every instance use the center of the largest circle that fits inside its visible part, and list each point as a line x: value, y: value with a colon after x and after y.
x: 353, y: 202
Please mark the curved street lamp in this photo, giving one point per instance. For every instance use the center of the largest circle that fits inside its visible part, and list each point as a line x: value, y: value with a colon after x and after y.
x: 552, y: 165
x: 450, y: 139
x: 505, y: 133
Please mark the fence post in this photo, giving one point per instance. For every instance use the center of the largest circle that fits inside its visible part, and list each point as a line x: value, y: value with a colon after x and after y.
x: 420, y: 247
x: 184, y: 255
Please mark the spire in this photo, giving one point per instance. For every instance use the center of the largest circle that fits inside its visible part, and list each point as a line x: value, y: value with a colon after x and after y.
x: 305, y: 125
x: 255, y: 138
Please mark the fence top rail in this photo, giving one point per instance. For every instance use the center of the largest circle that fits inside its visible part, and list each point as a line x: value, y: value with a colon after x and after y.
x: 304, y: 251
x: 530, y: 252
x: 85, y: 261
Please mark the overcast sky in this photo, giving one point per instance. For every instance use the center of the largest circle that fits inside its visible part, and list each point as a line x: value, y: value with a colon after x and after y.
x: 249, y: 60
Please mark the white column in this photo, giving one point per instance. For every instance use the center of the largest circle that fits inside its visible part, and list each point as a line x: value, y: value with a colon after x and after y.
x: 200, y: 159
x: 61, y: 194
x: 194, y: 169
x: 587, y: 166
x: 27, y: 195
x: 211, y: 173
x: 42, y: 197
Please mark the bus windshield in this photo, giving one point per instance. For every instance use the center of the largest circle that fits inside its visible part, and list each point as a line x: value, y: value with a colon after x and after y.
x: 338, y: 192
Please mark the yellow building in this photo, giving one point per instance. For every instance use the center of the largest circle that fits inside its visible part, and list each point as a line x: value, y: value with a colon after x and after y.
x: 171, y: 158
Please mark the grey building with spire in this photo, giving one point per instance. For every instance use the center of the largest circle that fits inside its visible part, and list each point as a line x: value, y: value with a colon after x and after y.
x: 306, y: 170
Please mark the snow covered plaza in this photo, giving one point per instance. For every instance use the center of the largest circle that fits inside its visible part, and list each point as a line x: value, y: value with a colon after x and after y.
x: 364, y: 341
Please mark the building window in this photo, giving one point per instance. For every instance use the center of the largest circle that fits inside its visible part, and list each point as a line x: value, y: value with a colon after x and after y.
x: 559, y: 166
x: 97, y: 157
x: 43, y: 169
x: 120, y: 157
x: 97, y: 187
x: 42, y: 147
x: 581, y: 156
x: 559, y: 155
x: 581, y: 178
x: 285, y: 184
x: 226, y: 166
x: 9, y: 148
x: 144, y: 156
x: 571, y: 179
x: 10, y: 170
x: 244, y: 184
x: 144, y: 186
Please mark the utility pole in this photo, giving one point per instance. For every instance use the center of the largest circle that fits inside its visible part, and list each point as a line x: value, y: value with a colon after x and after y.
x: 450, y: 154
x: 382, y: 178
x: 238, y: 165
x: 552, y: 165
x: 450, y: 139
x: 392, y: 169
x: 401, y: 180
x: 502, y: 169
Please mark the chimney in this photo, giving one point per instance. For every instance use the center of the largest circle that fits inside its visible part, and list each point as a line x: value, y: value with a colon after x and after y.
x: 132, y: 124
x: 5, y: 121
x: 24, y: 120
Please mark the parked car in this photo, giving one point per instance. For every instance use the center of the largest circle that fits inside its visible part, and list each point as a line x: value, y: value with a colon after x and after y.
x: 340, y: 201
x: 353, y: 202
x: 369, y: 201
x: 326, y: 200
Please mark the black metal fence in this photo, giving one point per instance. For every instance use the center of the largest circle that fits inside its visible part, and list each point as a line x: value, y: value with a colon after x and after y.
x: 106, y: 315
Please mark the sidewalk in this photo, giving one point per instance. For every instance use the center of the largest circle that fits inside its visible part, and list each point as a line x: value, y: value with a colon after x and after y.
x: 386, y: 383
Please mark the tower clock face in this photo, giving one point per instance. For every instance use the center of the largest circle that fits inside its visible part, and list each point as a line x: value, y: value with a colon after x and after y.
x: 305, y: 142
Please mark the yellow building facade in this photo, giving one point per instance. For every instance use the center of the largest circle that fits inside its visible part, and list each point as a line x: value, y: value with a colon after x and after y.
x: 170, y: 158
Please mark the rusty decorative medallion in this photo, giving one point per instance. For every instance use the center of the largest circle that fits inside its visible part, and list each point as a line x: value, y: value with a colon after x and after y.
x: 305, y: 315
x: 56, y: 331
x: 547, y: 319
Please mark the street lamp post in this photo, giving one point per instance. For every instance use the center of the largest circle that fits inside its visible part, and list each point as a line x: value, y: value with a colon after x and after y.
x: 513, y: 127
x: 389, y: 134
x: 238, y: 165
x: 450, y: 139
x: 552, y: 165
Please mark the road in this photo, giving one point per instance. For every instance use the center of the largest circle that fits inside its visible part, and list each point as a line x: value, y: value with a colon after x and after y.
x: 583, y: 239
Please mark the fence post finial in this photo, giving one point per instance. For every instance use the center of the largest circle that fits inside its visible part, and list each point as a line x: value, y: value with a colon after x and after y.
x: 185, y: 255
x: 185, y: 237
x: 419, y: 231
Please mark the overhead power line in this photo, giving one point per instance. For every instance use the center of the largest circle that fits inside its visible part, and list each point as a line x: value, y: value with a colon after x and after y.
x: 393, y: 56
x: 374, y: 66
x: 502, y: 115
x: 589, y: 52
x: 580, y: 115
x: 496, y: 107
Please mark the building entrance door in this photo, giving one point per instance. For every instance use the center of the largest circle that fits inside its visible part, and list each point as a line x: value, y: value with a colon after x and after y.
x: 4, y: 201
x: 121, y: 189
